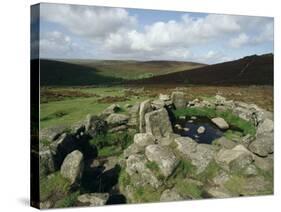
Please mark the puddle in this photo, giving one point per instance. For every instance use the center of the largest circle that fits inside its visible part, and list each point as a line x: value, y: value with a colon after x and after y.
x: 188, y: 126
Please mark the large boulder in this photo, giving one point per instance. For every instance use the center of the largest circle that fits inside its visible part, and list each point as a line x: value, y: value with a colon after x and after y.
x: 95, y: 125
x: 235, y: 159
x: 220, y: 122
x: 218, y: 192
x: 265, y: 163
x: 139, y: 173
x: 263, y: 145
x: 178, y: 99
x: 144, y: 139
x: 72, y: 166
x: 133, y: 149
x: 199, y: 154
x: 134, y: 115
x: 225, y: 143
x: 93, y: 199
x: 145, y: 107
x: 265, y: 127
x: 116, y: 119
x: 163, y: 156
x: 47, y: 164
x: 158, y: 123
x: 170, y: 195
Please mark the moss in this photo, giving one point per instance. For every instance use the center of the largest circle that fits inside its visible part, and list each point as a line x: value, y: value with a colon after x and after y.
x: 54, y: 185
x: 147, y: 194
x: 233, y: 120
x: 155, y: 169
x: 235, y: 184
x: 210, y: 172
x: 188, y: 189
x: 184, y: 169
x: 124, y: 178
x: 68, y: 201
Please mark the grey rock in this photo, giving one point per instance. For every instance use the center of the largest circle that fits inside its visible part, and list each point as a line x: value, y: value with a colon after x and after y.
x: 46, y: 204
x: 220, y: 122
x: 72, y: 166
x: 218, y: 192
x: 158, y: 123
x: 263, y: 145
x: 145, y: 107
x: 264, y: 163
x: 95, y: 125
x: 134, y: 115
x: 46, y: 162
x: 235, y: 159
x: 178, y: 99
x: 250, y: 170
x: 93, y: 199
x: 265, y: 127
x: 170, y: 195
x: 164, y: 97
x: 221, y: 178
x: 163, y: 156
x: 144, y: 139
x: 225, y: 143
x: 116, y: 119
x: 157, y: 104
x: 133, y: 149
x: 52, y: 133
x: 140, y: 174
x: 118, y: 128
x: 111, y: 109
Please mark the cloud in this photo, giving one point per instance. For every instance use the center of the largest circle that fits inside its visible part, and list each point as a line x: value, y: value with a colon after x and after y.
x: 92, y: 22
x: 118, y: 34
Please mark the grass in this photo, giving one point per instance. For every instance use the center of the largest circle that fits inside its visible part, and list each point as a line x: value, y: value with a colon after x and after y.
x: 209, y: 173
x: 189, y: 189
x: 233, y: 120
x: 155, y: 169
x: 53, y: 186
x: 67, y: 111
x: 147, y: 194
x: 112, y: 144
x: 67, y: 201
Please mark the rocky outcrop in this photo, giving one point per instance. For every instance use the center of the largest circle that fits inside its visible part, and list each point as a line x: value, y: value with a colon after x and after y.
x: 157, y: 123
x: 72, y: 166
x: 145, y: 107
x: 263, y: 145
x: 225, y: 143
x: 116, y: 119
x: 144, y: 139
x: 170, y: 195
x: 111, y: 109
x: 163, y: 156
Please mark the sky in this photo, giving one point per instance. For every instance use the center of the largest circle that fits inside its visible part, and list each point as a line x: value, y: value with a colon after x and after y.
x: 104, y: 33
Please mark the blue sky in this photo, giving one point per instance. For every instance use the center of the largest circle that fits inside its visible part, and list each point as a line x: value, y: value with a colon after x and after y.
x: 89, y: 32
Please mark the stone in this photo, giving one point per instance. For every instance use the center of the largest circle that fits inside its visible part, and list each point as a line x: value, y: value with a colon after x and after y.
x: 46, y: 204
x: 219, y: 100
x: 144, y: 139
x: 95, y: 125
x: 134, y: 115
x: 178, y: 126
x: 265, y: 163
x: 263, y: 145
x: 164, y: 97
x: 225, y: 143
x: 265, y: 127
x: 199, y: 154
x: 145, y: 107
x: 250, y: 170
x: 170, y: 195
x: 221, y: 178
x: 165, y: 141
x: 220, y: 122
x: 65, y: 144
x: 120, y: 128
x: 72, y: 166
x: 138, y: 171
x: 201, y: 130
x: 256, y: 185
x: 178, y: 99
x: 52, y: 133
x: 132, y: 149
x: 186, y: 129
x: 116, y: 119
x: 163, y: 156
x: 235, y: 159
x: 46, y: 162
x: 158, y: 123
x: 218, y: 192
x: 111, y: 109
x: 93, y: 199
x: 157, y: 104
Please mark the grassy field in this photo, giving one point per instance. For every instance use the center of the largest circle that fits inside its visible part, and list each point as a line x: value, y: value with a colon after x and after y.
x: 67, y: 105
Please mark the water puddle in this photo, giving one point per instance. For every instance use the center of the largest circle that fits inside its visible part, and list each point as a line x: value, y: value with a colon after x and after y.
x: 201, y: 129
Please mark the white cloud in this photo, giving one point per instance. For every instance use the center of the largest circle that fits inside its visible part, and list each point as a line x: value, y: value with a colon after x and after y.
x: 92, y: 22
x: 239, y: 41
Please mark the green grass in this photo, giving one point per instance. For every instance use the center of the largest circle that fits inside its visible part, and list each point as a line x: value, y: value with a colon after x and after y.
x: 70, y: 110
x: 233, y: 120
x: 147, y: 194
x: 54, y: 185
x: 209, y: 173
x: 67, y: 201
x: 112, y: 144
x: 188, y: 189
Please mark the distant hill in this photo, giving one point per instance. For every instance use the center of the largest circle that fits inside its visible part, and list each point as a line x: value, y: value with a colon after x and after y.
x: 250, y: 70
x: 95, y: 72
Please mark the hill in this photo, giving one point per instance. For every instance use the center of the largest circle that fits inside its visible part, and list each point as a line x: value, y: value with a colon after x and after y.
x: 250, y: 70
x: 96, y: 72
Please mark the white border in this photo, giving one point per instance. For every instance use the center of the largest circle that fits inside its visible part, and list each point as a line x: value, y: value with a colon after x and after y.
x: 14, y: 69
